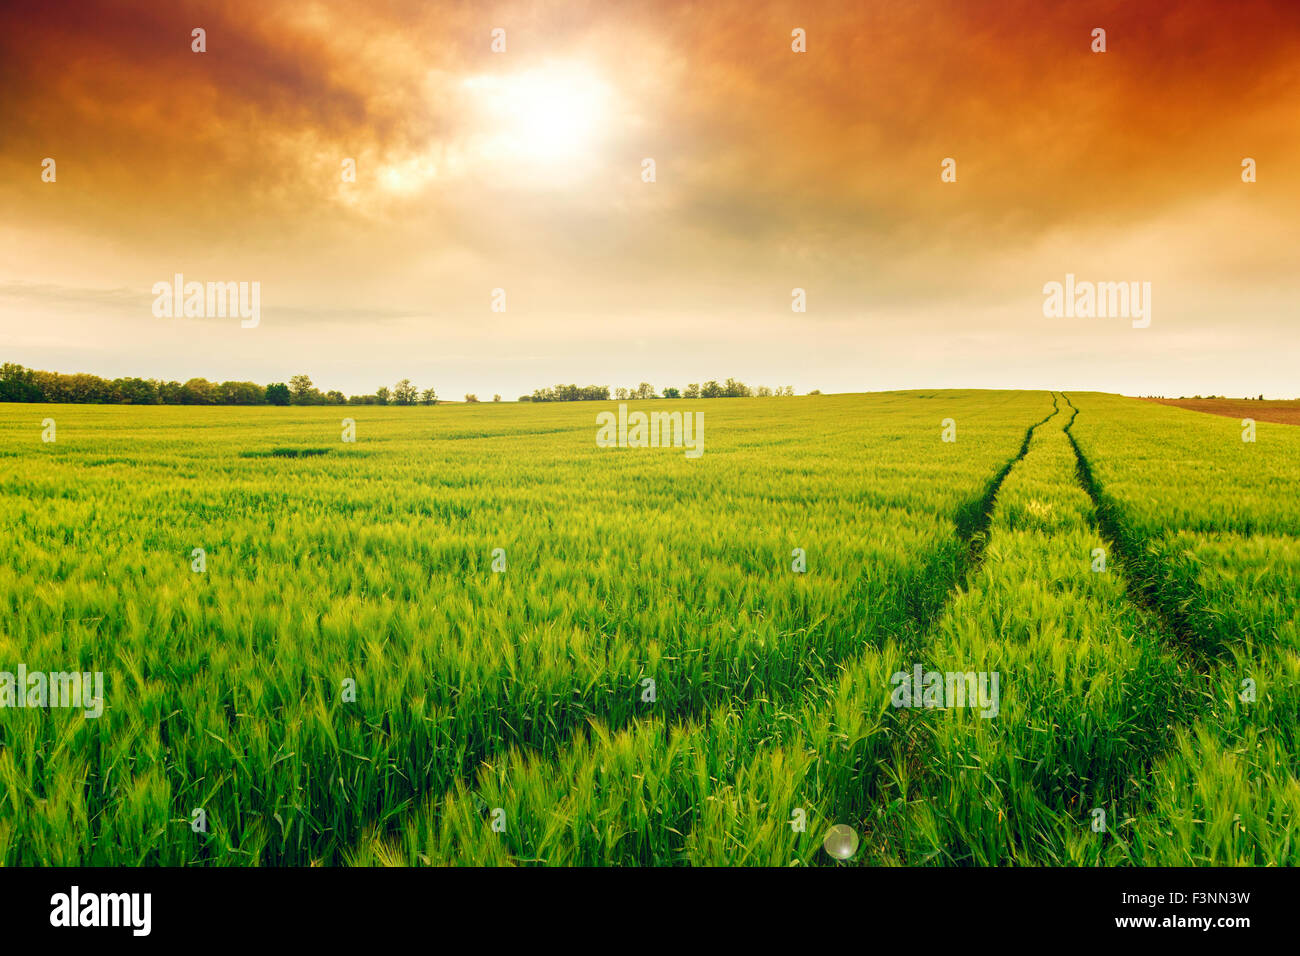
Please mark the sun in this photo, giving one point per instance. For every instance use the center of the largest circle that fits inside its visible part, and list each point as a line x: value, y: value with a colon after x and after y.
x: 548, y: 114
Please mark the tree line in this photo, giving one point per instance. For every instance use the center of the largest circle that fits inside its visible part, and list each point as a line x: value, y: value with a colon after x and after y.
x: 19, y: 384
x: 710, y: 389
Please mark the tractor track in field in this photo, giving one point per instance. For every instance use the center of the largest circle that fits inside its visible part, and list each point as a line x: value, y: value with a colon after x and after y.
x: 974, y: 531
x: 1174, y: 632
x: 1175, y: 625
x: 972, y: 525
x: 1169, y: 637
x: 1141, y: 574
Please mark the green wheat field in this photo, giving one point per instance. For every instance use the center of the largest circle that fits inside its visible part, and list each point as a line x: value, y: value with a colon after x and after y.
x: 649, y: 681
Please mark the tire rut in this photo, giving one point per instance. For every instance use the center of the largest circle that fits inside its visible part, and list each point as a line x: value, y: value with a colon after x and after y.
x: 1142, y: 573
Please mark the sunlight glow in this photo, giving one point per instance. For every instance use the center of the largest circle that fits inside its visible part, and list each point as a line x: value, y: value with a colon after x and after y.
x: 555, y: 114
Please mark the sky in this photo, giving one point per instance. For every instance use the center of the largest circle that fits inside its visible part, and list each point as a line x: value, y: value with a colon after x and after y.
x: 522, y: 169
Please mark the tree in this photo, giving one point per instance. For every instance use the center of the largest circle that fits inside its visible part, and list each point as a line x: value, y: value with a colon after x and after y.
x: 277, y: 393
x: 671, y: 392
x: 572, y: 393
x: 334, y: 397
x: 88, y: 389
x: 17, y: 384
x: 404, y: 393
x: 135, y: 391
x: 199, y: 391
x: 430, y: 397
x: 300, y: 388
x: 644, y: 390
x: 496, y: 398
x: 240, y: 393
x: 381, y: 395
x: 471, y: 399
x: 692, y: 391
x: 711, y: 389
x: 621, y: 394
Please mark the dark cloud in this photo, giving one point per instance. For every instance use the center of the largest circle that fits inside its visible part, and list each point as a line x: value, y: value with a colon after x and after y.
x: 774, y: 169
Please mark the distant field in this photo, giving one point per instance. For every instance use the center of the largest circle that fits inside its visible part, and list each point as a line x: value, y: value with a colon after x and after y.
x: 652, y: 679
x: 1282, y: 412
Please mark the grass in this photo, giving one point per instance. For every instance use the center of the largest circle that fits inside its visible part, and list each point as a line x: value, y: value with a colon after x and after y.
x: 350, y: 681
